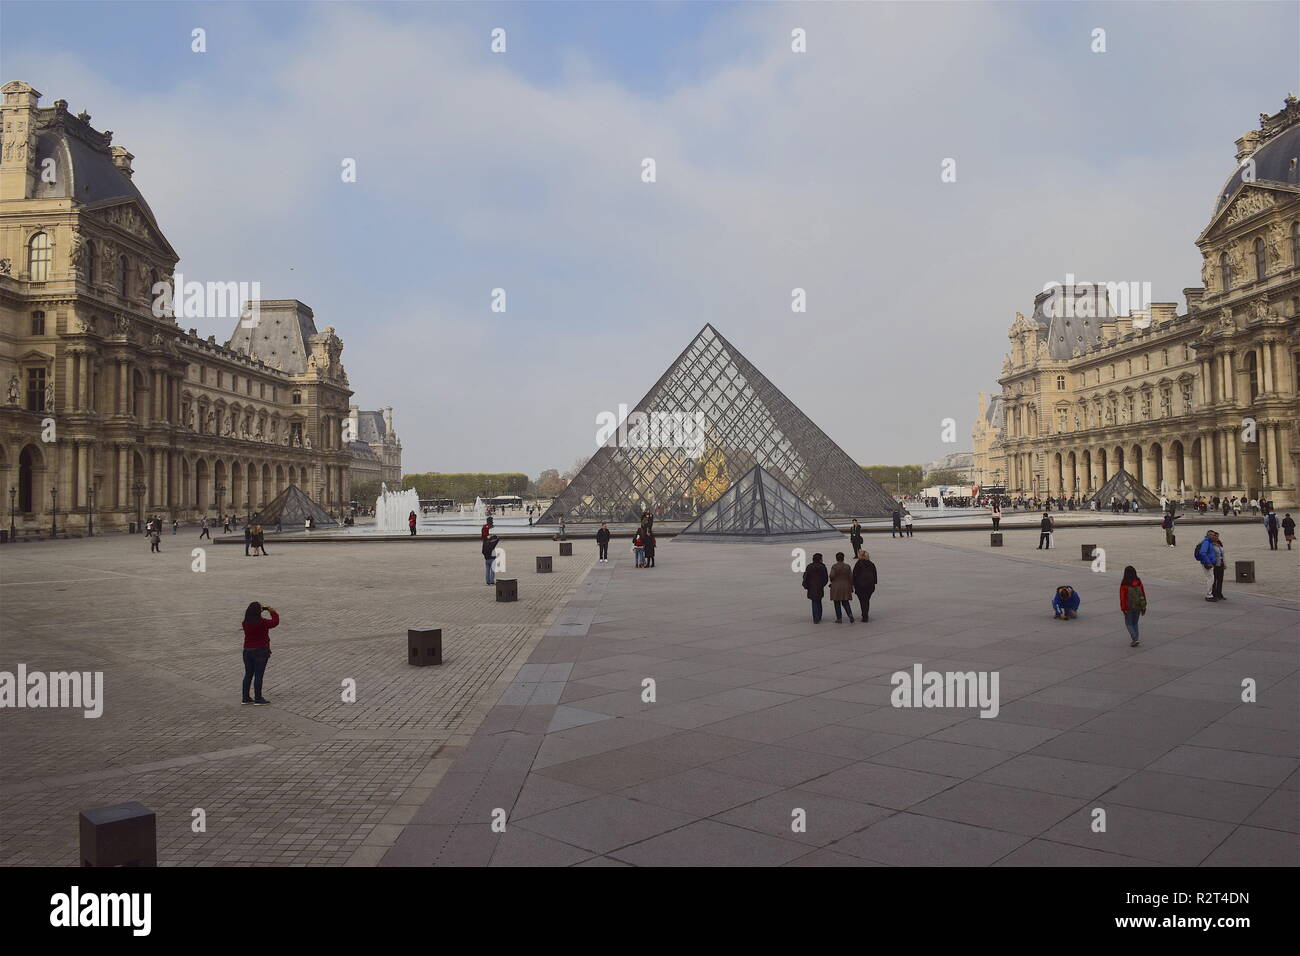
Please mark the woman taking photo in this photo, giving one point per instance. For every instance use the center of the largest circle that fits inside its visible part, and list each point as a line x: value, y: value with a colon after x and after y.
x: 257, y: 649
x: 1132, y: 601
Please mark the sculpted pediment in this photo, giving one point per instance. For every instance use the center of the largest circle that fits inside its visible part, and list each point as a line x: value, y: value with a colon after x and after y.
x: 1250, y: 201
x: 127, y: 217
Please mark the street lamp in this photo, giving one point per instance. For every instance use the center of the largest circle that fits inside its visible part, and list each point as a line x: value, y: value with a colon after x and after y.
x: 221, y: 491
x: 13, y: 495
x: 90, y: 511
x: 139, y: 488
x: 54, y: 517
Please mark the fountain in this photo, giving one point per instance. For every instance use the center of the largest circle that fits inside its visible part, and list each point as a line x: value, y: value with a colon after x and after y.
x: 393, y: 508
x: 479, y: 509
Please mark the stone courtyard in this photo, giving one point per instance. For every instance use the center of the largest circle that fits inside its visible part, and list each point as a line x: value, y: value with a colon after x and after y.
x: 537, y: 719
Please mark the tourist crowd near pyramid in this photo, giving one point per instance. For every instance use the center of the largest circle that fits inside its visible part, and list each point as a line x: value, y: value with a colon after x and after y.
x: 747, y: 423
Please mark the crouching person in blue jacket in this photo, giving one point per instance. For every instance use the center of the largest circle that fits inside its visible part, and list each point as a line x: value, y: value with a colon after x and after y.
x: 1065, y: 602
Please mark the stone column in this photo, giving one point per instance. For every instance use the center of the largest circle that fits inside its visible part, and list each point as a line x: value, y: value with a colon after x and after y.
x: 123, y: 493
x: 1266, y: 356
x: 83, y: 472
x: 1230, y: 453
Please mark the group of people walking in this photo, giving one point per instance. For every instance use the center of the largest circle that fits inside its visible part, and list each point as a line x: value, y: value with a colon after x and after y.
x: 844, y: 582
x: 254, y: 539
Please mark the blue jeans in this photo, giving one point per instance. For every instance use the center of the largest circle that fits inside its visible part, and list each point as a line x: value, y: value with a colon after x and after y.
x: 1131, y: 622
x: 817, y: 609
x: 640, y: 556
x: 491, y: 570
x: 255, y: 659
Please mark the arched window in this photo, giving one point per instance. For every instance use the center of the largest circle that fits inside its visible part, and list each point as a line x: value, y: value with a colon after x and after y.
x: 1225, y: 272
x: 92, y: 261
x: 1252, y: 368
x: 123, y: 277
x: 1259, y: 259
x: 38, y: 257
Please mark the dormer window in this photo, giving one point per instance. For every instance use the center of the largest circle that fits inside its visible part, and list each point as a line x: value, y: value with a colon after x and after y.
x: 38, y: 257
x: 297, y: 397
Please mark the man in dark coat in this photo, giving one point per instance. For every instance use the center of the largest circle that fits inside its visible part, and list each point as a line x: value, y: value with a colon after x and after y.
x: 898, y: 524
x: 855, y: 536
x: 864, y: 582
x: 1271, y: 526
x: 489, y: 545
x: 602, y: 542
x: 648, y: 542
x: 1045, y: 532
x: 815, y: 579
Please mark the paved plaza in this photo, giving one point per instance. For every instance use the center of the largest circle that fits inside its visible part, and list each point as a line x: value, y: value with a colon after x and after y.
x: 538, y: 718
x: 761, y: 719
x: 309, y: 780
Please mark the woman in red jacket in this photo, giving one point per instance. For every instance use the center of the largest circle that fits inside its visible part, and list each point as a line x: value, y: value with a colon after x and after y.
x: 1132, y: 601
x: 257, y: 649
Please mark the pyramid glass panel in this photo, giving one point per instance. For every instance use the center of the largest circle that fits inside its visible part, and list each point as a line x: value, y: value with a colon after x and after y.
x: 292, y: 507
x: 746, y: 422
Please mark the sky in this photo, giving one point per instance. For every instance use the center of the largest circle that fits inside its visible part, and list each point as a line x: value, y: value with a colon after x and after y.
x: 775, y: 170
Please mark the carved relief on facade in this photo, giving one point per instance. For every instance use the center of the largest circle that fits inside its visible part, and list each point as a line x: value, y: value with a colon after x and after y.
x: 1250, y: 203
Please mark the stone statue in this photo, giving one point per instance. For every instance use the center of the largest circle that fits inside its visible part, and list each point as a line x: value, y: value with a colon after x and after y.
x: 49, y: 396
x: 13, y: 389
x: 1207, y: 274
x: 1276, y: 236
x: 307, y: 443
x: 6, y: 267
x: 76, y: 253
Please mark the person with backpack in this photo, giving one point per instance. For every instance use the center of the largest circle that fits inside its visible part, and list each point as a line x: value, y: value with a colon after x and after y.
x: 257, y: 649
x: 815, y: 579
x: 1271, y: 526
x: 1045, y: 532
x: 602, y: 543
x: 1210, y: 555
x: 1065, y: 603
x: 864, y: 582
x: 1288, y: 529
x: 1132, y: 602
x: 1168, y: 524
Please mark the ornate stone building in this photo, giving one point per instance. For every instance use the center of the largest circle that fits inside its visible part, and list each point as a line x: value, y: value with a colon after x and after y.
x: 988, y: 460
x: 1205, y: 401
x: 110, y: 406
x: 376, y: 449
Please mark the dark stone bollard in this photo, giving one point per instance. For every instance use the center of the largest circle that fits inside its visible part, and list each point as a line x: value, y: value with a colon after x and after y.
x: 4, y: 536
x: 543, y: 564
x: 1245, y: 572
x: 1088, y: 550
x: 507, y: 589
x: 123, y: 835
x: 995, y: 539
x: 423, y: 646
x: 130, y: 528
x: 566, y: 549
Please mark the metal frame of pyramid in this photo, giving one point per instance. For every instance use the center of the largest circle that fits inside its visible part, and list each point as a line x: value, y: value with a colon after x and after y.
x: 1124, y: 486
x: 758, y: 508
x: 748, y: 421
x: 292, y: 506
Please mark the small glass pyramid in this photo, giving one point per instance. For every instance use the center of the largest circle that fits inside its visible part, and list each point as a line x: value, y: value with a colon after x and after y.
x: 1125, y: 487
x: 758, y: 506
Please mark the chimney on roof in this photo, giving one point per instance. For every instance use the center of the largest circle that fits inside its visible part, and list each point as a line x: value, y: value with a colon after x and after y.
x: 1163, y: 312
x: 122, y: 159
x: 1248, y: 143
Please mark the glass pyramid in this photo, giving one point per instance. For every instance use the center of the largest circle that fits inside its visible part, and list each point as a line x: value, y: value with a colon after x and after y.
x: 1125, y: 487
x: 292, y: 507
x: 758, y: 506
x: 746, y: 421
